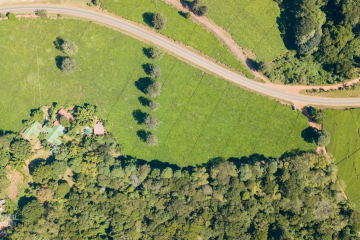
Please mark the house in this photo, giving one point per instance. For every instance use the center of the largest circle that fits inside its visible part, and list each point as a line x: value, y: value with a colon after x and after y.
x: 35, y: 128
x: 53, y: 134
x: 99, y: 129
x: 63, y: 113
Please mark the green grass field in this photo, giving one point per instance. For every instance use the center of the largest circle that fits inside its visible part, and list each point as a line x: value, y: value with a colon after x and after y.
x: 178, y: 28
x: 252, y: 24
x: 345, y: 141
x: 202, y: 116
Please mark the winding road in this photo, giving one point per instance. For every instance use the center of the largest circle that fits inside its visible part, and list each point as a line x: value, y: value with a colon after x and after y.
x: 184, y: 53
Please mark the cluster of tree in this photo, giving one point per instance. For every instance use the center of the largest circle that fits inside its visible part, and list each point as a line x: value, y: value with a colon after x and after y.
x: 324, y: 33
x: 198, y: 7
x: 295, y: 197
x: 67, y: 64
x: 351, y: 87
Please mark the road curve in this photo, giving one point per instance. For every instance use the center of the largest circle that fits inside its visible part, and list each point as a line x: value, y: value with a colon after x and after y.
x: 182, y: 52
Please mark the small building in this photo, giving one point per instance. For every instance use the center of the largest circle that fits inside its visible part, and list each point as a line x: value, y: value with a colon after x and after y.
x: 53, y: 134
x: 63, y: 113
x: 99, y: 129
x: 35, y: 128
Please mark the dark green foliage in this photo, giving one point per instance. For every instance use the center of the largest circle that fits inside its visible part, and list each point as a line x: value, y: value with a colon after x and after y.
x: 42, y: 173
x: 199, y: 8
x: 37, y: 115
x: 323, y: 138
x: 21, y: 149
x: 188, y: 15
x: 41, y: 13
x: 84, y: 114
x: 62, y: 190
x: 316, y: 115
x: 68, y: 65
x: 65, y: 121
x: 75, y: 164
x: 12, y: 17
x: 58, y: 167
x: 159, y: 21
x: 32, y: 212
x: 95, y: 2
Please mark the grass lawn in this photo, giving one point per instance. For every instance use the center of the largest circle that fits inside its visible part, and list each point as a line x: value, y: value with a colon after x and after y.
x: 178, y: 28
x: 252, y: 24
x: 202, y: 116
x: 345, y: 141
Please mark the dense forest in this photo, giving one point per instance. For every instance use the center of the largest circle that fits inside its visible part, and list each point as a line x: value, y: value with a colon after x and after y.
x: 324, y: 35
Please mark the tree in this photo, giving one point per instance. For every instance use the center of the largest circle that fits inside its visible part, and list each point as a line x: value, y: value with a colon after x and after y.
x: 155, y: 71
x: 154, y: 105
x: 62, y: 190
x: 69, y: 47
x: 12, y: 17
x: 152, y: 140
x: 68, y: 65
x: 316, y: 114
x: 4, y: 142
x: 42, y: 174
x: 44, y: 194
x: 75, y: 164
x: 167, y: 173
x: 32, y: 212
x: 64, y: 121
x: 199, y: 8
x: 207, y: 189
x: 42, y: 13
x: 21, y: 149
x: 152, y: 122
x: 58, y: 167
x: 154, y: 89
x: 159, y: 21
x: 188, y: 15
x: 96, y: 2
x: 263, y: 66
x: 155, y: 54
x: 323, y: 138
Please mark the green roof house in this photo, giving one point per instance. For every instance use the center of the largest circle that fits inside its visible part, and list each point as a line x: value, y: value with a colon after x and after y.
x: 34, y: 128
x: 54, y: 133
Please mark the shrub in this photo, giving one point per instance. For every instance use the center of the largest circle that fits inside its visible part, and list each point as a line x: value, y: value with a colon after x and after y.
x: 95, y: 2
x: 155, y: 54
x: 152, y: 140
x: 152, y: 122
x: 188, y: 15
x: 154, y: 89
x: 159, y: 21
x: 12, y: 17
x: 154, y: 105
x: 68, y: 65
x: 316, y: 115
x: 69, y: 47
x: 323, y: 138
x: 198, y: 8
x: 155, y: 71
x: 42, y: 13
x: 263, y: 66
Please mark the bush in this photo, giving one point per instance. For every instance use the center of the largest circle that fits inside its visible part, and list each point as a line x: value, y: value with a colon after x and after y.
x: 155, y: 54
x: 154, y: 89
x: 155, y: 71
x: 95, y: 2
x: 316, y: 115
x: 42, y: 13
x: 68, y: 65
x: 152, y: 122
x: 69, y: 47
x: 152, y: 140
x: 198, y: 8
x: 323, y: 138
x: 154, y: 105
x: 188, y: 15
x: 263, y: 67
x: 159, y: 21
x: 12, y: 17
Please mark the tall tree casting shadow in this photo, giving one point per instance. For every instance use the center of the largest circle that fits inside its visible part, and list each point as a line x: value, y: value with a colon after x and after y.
x: 58, y: 42
x: 309, y: 134
x: 148, y: 17
x: 58, y: 61
x: 143, y: 83
x: 142, y: 134
x: 144, y: 101
x: 139, y: 116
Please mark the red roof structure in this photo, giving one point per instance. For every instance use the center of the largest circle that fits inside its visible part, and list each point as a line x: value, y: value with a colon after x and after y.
x: 99, y: 129
x: 63, y: 113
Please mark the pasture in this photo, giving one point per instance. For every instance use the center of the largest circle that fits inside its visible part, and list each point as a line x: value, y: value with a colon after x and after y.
x: 178, y: 28
x: 202, y: 116
x: 345, y: 143
x: 252, y: 24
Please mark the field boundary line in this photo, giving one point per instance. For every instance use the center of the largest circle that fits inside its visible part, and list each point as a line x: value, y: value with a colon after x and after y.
x: 264, y: 36
x: 237, y: 122
x: 238, y: 14
x: 202, y: 77
x: 207, y: 121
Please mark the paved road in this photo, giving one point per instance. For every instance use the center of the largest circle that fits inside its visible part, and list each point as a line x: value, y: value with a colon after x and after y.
x: 182, y: 52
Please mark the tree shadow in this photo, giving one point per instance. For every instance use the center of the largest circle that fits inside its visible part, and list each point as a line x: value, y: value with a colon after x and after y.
x: 35, y: 163
x: 185, y: 4
x: 144, y: 101
x: 183, y: 14
x: 143, y: 83
x: 148, y: 17
x: 58, y: 42
x: 58, y: 61
x: 25, y: 200
x: 146, y: 51
x: 142, y: 134
x: 139, y: 116
x: 147, y: 68
x: 252, y: 64
x: 285, y: 22
x: 309, y: 134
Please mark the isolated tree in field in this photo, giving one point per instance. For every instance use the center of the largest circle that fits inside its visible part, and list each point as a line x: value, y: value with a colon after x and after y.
x: 323, y: 138
x: 188, y: 15
x: 155, y: 71
x: 154, y: 105
x: 159, y: 21
x: 154, y: 89
x: 69, y: 47
x: 21, y: 149
x: 263, y: 66
x: 316, y: 114
x: 155, y: 54
x: 152, y: 122
x: 152, y: 140
x: 65, y: 122
x: 199, y: 8
x: 42, y: 13
x: 12, y: 17
x: 68, y: 65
